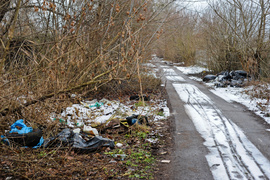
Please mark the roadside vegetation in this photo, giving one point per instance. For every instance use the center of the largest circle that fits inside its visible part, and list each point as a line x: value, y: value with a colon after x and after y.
x: 54, y: 50
x: 226, y: 35
x: 54, y: 53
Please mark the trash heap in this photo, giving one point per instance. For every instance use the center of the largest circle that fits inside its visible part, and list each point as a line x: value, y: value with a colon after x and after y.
x: 236, y: 78
x: 82, y: 124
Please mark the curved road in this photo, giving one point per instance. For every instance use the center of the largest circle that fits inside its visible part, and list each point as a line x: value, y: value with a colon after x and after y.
x: 213, y: 139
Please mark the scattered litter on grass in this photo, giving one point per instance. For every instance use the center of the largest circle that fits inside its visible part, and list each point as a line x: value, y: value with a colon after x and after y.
x: 119, y: 145
x: 79, y: 115
x: 151, y: 140
x: 120, y: 156
x: 90, y: 130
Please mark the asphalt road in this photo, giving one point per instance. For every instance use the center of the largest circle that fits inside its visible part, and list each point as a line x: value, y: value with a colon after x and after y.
x: 189, y: 154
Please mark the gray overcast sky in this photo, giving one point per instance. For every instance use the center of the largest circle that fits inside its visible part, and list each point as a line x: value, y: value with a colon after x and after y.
x: 193, y: 4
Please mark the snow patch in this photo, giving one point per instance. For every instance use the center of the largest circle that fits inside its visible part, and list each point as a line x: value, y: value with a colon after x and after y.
x: 170, y: 72
x: 192, y: 69
x: 175, y: 78
x: 196, y: 78
x: 231, y: 94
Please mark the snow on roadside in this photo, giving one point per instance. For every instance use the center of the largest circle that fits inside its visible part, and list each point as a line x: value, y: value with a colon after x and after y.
x: 169, y: 72
x: 175, y: 78
x: 192, y: 69
x: 196, y: 78
x: 232, y: 94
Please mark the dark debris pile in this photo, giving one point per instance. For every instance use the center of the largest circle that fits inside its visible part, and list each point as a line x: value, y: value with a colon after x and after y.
x: 236, y: 78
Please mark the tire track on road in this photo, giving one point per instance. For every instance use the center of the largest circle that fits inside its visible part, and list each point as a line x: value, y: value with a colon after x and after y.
x: 238, y: 161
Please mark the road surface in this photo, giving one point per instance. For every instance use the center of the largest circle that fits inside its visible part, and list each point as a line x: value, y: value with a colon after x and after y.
x: 214, y: 139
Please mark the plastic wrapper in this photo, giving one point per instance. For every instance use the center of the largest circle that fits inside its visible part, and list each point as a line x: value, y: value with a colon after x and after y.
x: 79, y: 142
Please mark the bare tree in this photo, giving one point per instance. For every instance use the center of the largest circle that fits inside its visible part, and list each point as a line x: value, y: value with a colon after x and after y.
x: 241, y: 26
x: 58, y: 46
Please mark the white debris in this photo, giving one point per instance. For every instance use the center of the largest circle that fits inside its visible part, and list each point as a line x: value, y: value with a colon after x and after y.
x: 165, y: 161
x: 119, y: 145
x: 90, y: 130
x: 99, y: 112
x: 77, y: 130
x: 151, y: 140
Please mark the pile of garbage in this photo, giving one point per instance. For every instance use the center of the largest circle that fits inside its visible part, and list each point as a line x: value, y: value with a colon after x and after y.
x: 236, y: 78
x: 83, y: 123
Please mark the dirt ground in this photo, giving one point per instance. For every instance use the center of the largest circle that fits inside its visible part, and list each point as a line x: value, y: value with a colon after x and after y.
x: 164, y: 170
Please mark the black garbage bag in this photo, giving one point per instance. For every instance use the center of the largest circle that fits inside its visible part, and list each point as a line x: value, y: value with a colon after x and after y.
x: 93, y: 144
x: 64, y: 138
x: 209, y: 77
x: 236, y: 83
x: 137, y: 98
x: 227, y: 76
x: 134, y: 118
x: 239, y: 74
x: 30, y: 139
x: 79, y: 142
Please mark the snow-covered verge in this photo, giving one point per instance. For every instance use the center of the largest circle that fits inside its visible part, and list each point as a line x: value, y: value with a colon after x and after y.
x: 235, y: 94
x: 260, y: 106
x: 192, y: 69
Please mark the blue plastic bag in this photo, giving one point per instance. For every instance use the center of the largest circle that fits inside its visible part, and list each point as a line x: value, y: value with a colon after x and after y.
x: 24, y: 129
x: 41, y: 141
x: 4, y: 139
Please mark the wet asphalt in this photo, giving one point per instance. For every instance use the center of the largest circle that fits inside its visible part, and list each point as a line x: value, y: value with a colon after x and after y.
x: 188, y: 160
